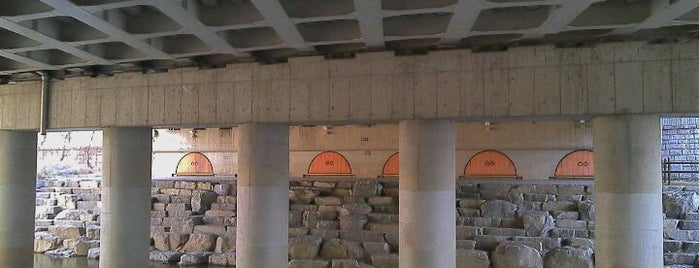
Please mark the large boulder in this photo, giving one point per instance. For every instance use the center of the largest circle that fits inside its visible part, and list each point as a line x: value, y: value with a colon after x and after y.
x: 508, y: 255
x: 194, y: 258
x: 538, y: 224
x: 225, y: 244
x: 341, y: 249
x: 165, y: 256
x: 678, y: 203
x: 366, y: 188
x: 498, y: 209
x: 93, y: 253
x: 202, y: 200
x: 160, y: 241
x: 309, y: 264
x: 472, y: 258
x: 227, y: 258
x: 304, y: 247
x: 80, y: 245
x: 67, y: 231
x: 44, y: 241
x: 200, y: 243
x: 302, y: 195
x: 569, y: 257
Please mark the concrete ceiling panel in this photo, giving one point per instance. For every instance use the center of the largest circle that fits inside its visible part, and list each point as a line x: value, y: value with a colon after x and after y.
x: 180, y: 44
x: 252, y: 37
x: 227, y: 12
x: 65, y: 29
x: 8, y: 64
x: 22, y: 7
x: 415, y: 4
x: 134, y: 34
x: 419, y: 24
x: 53, y: 57
x: 692, y: 15
x: 512, y: 18
x: 614, y: 12
x: 142, y: 19
x: 317, y: 8
x: 95, y: 2
x: 336, y: 30
x: 113, y: 51
x: 12, y: 40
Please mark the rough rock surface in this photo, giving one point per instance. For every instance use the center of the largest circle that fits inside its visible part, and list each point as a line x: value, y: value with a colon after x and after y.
x: 472, y: 258
x: 516, y: 256
x: 538, y: 224
x: 200, y: 243
x: 677, y: 204
x: 165, y: 256
x: 569, y: 257
x: 45, y: 241
x: 304, y: 247
x: 498, y: 209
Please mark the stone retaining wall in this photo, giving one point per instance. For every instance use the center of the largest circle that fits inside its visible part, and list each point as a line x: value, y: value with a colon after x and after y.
x: 680, y: 142
x: 354, y: 223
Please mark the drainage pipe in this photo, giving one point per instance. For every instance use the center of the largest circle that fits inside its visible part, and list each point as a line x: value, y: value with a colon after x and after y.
x: 43, y: 124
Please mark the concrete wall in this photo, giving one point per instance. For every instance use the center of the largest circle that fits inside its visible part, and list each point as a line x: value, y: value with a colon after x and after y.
x: 534, y: 147
x: 533, y: 81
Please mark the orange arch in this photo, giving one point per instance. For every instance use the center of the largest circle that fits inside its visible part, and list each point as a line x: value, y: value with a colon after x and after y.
x: 576, y: 164
x: 194, y: 164
x: 490, y: 163
x: 329, y: 163
x: 391, y: 166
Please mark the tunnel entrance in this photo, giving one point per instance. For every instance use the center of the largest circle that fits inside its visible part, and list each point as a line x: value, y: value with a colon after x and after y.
x: 578, y: 164
x: 194, y: 164
x: 490, y: 164
x: 329, y: 163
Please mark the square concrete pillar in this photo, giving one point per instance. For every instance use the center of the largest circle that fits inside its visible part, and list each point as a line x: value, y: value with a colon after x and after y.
x: 628, y: 192
x: 427, y: 197
x: 17, y: 198
x: 126, y: 204
x: 263, y: 196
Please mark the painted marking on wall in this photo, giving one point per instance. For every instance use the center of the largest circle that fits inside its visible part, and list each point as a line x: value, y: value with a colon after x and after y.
x: 490, y: 163
x: 329, y: 163
x: 391, y: 166
x: 576, y: 164
x: 194, y: 164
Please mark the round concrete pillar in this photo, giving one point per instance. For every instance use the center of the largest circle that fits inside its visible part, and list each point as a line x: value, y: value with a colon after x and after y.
x: 427, y: 198
x: 628, y: 192
x: 17, y: 197
x: 126, y: 183
x: 263, y: 196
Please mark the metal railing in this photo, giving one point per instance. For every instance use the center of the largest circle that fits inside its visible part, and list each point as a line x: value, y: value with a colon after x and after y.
x: 668, y: 171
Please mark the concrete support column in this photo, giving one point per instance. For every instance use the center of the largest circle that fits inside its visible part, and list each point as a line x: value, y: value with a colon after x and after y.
x: 427, y: 199
x: 628, y: 192
x: 17, y: 197
x: 263, y: 196
x: 126, y: 197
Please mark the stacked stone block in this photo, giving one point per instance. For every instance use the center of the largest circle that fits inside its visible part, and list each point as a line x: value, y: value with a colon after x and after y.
x: 193, y: 222
x: 681, y: 226
x: 354, y: 223
x: 67, y: 217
